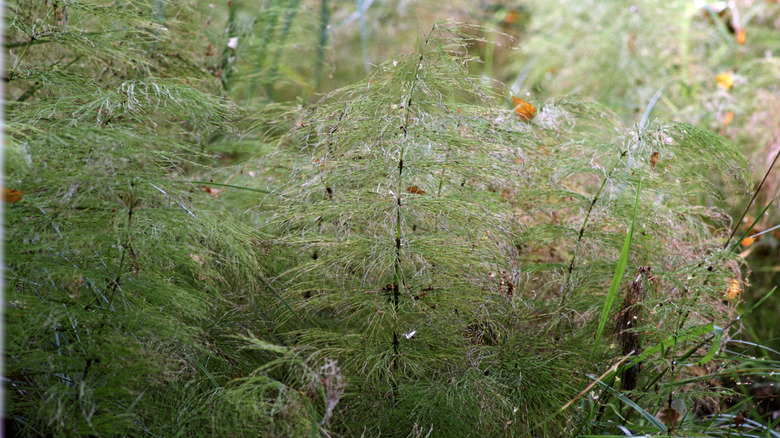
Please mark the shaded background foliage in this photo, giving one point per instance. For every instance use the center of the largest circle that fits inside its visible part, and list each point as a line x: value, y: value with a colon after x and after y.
x: 166, y: 274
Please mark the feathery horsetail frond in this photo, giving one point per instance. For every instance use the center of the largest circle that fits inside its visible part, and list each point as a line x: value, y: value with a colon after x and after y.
x: 398, y: 211
x: 390, y: 171
x: 432, y: 225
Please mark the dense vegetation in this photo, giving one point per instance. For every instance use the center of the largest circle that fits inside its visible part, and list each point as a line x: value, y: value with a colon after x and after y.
x: 218, y: 221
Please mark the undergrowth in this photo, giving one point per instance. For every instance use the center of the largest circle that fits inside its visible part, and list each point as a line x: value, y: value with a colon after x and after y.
x: 415, y: 258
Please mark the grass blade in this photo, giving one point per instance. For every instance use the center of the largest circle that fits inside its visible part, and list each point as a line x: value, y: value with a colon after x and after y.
x: 204, y: 370
x: 750, y: 228
x: 668, y: 342
x: 648, y: 416
x: 608, y: 372
x: 718, y: 334
x: 135, y: 402
x: 273, y: 291
x: 233, y: 186
x: 616, y: 279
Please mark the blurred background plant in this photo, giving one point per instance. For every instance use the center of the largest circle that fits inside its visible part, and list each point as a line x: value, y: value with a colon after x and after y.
x: 138, y: 153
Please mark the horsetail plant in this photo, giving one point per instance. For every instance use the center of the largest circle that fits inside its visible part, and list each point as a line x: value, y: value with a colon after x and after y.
x: 433, y: 229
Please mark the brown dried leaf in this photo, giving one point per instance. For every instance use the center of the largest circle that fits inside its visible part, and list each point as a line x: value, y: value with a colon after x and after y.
x: 12, y: 195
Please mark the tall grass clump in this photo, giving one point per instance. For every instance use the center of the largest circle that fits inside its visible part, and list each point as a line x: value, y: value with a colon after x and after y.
x: 454, y: 257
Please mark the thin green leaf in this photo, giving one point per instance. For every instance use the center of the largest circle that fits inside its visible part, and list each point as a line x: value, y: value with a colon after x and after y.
x: 648, y: 416
x: 204, y: 370
x: 232, y: 186
x: 273, y: 291
x: 718, y: 333
x: 669, y: 342
x: 753, y: 307
x: 750, y: 228
x: 619, y: 271
x: 135, y: 402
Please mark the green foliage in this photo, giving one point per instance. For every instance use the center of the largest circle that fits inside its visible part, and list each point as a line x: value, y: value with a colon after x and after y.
x: 430, y: 228
x: 419, y: 260
x: 620, y: 270
x: 616, y: 54
x: 123, y: 285
x: 389, y: 173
